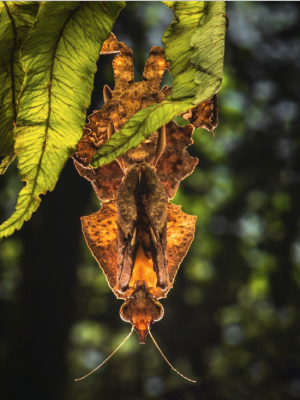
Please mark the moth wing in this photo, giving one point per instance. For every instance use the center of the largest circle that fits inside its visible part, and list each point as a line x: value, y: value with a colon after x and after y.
x: 175, y: 164
x: 110, y: 46
x: 105, y: 179
x: 155, y: 202
x: 205, y: 115
x: 123, y: 67
x: 94, y: 135
x: 100, y: 232
x: 180, y: 234
x: 154, y: 68
x: 126, y: 209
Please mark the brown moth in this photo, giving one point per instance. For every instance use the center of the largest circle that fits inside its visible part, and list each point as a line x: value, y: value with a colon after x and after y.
x: 138, y: 237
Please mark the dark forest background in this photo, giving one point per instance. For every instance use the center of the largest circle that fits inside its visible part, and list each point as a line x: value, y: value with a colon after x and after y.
x: 232, y: 319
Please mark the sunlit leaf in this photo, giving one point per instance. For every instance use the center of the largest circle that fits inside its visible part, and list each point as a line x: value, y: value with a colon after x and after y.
x: 16, y: 19
x: 194, y: 47
x: 137, y: 129
x: 60, y: 61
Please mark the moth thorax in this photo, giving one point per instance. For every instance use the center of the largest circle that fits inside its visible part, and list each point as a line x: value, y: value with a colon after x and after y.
x: 138, y: 154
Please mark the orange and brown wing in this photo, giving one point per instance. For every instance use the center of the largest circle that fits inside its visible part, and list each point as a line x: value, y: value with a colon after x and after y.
x: 94, y: 135
x: 100, y: 232
x: 123, y: 67
x: 110, y: 46
x: 180, y: 234
x: 105, y: 180
x: 175, y: 164
x: 122, y: 64
x: 205, y: 115
x: 154, y: 68
x: 85, y: 148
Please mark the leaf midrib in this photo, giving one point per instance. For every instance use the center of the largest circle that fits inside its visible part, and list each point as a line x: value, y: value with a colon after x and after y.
x: 139, y: 124
x: 48, y: 116
x: 13, y: 88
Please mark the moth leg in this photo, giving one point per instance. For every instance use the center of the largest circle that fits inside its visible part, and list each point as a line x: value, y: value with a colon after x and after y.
x: 154, y: 68
x: 161, y: 143
x: 166, y: 90
x: 227, y: 21
x: 107, y: 93
x: 110, y: 130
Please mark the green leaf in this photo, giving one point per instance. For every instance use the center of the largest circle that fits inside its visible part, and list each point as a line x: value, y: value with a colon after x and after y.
x: 169, y: 4
x: 194, y: 47
x: 138, y: 128
x: 16, y: 20
x: 59, y: 58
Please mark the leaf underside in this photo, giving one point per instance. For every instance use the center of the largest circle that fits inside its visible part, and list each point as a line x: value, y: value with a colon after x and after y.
x: 194, y: 47
x: 59, y: 58
x: 16, y: 20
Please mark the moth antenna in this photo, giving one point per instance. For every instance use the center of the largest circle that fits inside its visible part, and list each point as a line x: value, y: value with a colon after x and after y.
x: 174, y: 369
x: 100, y: 365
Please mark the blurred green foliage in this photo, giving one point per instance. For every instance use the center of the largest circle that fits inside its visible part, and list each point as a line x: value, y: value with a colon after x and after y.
x: 232, y: 319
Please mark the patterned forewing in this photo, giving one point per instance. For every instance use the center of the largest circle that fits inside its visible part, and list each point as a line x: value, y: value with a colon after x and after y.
x: 175, y: 163
x: 123, y: 67
x: 100, y: 232
x: 154, y: 68
x: 180, y: 234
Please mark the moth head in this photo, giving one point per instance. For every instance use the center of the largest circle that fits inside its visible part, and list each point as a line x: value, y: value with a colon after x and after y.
x: 141, y: 310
